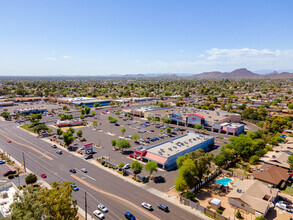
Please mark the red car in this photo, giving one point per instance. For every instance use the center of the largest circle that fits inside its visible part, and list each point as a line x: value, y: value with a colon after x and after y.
x: 9, y: 141
x: 9, y: 172
x: 131, y: 155
x: 43, y: 175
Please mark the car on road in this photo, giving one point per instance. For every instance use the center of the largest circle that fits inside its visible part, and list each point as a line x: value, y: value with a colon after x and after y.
x: 59, y: 152
x: 102, y: 208
x: 8, y: 141
x: 163, y: 207
x: 74, y: 187
x: 98, y: 214
x: 83, y: 170
x: 53, y: 146
x: 126, y: 166
x: 43, y: 175
x: 89, y: 156
x: 8, y: 172
x: 72, y: 170
x: 147, y: 206
x: 2, y: 161
x: 129, y: 216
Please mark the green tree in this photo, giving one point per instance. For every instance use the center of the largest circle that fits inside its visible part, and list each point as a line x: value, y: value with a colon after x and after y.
x: 59, y: 131
x: 121, y: 165
x: 79, y: 134
x: 95, y: 124
x: 197, y: 127
x: 151, y: 166
x: 167, y: 120
x: 136, y: 167
x: 123, y: 144
x: 253, y: 160
x: 168, y: 130
x: 87, y: 110
x: 190, y: 195
x: 114, y: 143
x: 180, y: 184
x: 238, y: 215
x: 290, y: 161
x: 155, y: 120
x: 135, y: 137
x: 40, y: 127
x: 93, y: 114
x: 34, y: 118
x: 31, y: 178
x: 82, y: 116
x: 123, y: 131
x: 68, y: 138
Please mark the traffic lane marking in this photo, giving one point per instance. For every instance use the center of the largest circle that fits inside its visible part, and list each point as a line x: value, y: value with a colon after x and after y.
x: 114, y: 196
x: 84, y: 174
x: 27, y: 146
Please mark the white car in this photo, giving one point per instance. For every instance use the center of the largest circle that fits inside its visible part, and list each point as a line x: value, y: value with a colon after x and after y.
x: 102, y: 208
x: 99, y: 214
x: 84, y: 170
x: 282, y: 206
x: 147, y: 206
x: 126, y: 166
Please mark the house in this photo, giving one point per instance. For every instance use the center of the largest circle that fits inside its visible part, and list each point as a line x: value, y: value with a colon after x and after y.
x: 278, y: 159
x: 271, y: 174
x: 252, y: 196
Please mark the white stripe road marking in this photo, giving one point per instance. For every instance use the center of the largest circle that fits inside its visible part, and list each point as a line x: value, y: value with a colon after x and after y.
x: 86, y: 175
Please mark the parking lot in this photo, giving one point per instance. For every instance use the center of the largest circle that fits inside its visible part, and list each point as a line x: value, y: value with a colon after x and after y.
x: 106, y: 131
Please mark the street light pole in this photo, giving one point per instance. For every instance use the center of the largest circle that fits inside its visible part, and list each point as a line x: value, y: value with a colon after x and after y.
x: 85, y: 205
x: 23, y: 159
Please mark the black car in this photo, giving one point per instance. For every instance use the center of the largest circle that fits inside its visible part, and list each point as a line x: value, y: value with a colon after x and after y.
x: 159, y: 179
x: 182, y: 129
x: 116, y: 124
x: 72, y: 170
x: 152, y: 131
x: 174, y: 133
x: 90, y: 156
x: 163, y: 207
x: 158, y: 126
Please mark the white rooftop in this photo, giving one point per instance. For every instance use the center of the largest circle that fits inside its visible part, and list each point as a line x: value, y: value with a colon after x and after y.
x: 176, y: 145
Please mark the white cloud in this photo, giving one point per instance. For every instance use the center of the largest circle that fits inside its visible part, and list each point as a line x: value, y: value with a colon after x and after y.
x: 50, y: 58
x: 227, y: 60
x: 66, y: 57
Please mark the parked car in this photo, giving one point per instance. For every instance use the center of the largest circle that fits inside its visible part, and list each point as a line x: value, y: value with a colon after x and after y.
x: 43, y: 175
x: 74, y: 187
x: 131, y: 155
x: 182, y: 129
x: 84, y: 170
x: 8, y: 172
x: 128, y: 136
x: 116, y: 124
x: 89, y: 156
x: 8, y: 141
x: 126, y: 166
x: 142, y: 131
x: 146, y: 141
x: 98, y: 214
x: 158, y: 126
x: 174, y: 133
x: 163, y: 207
x: 136, y: 142
x: 159, y: 179
x: 102, y: 208
x: 2, y: 161
x: 152, y: 130
x: 59, y: 152
x: 176, y: 129
x: 72, y: 170
x: 129, y: 216
x: 53, y: 146
x: 147, y: 206
x: 283, y: 206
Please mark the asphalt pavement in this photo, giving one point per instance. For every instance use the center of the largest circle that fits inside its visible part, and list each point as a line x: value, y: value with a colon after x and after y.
x: 101, y: 187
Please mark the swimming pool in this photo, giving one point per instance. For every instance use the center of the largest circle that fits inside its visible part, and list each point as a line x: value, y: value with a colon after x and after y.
x: 224, y: 181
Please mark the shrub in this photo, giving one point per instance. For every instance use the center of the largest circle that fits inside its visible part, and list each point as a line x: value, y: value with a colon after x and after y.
x: 190, y: 195
x: 103, y: 162
x: 10, y: 176
x: 208, y: 207
x: 31, y: 178
x: 238, y: 215
x: 260, y: 218
x: 283, y: 185
x: 219, y: 211
x: 16, y: 175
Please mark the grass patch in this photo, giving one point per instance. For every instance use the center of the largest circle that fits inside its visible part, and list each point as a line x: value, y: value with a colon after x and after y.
x: 289, y: 190
x: 26, y: 127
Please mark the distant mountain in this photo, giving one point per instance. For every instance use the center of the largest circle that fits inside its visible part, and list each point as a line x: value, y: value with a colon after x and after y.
x: 242, y: 74
x: 238, y: 74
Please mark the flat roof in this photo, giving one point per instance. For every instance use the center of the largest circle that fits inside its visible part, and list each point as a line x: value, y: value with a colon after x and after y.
x: 178, y: 144
x: 230, y: 124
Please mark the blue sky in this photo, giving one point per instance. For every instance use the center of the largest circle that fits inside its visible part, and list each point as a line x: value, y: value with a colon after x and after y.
x: 91, y: 37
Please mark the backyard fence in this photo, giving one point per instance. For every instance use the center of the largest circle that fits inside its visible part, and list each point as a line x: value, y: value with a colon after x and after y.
x: 209, y: 178
x: 234, y: 174
x: 202, y: 209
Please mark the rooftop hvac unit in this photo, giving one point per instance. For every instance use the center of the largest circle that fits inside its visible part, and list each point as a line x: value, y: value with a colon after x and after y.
x: 170, y: 148
x: 175, y: 147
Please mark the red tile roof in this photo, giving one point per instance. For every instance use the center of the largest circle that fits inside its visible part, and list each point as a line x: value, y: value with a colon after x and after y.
x: 156, y: 158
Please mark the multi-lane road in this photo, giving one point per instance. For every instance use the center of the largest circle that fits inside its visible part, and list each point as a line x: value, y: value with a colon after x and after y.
x: 101, y: 186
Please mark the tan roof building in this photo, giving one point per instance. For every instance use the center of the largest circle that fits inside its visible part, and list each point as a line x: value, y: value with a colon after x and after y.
x: 253, y: 196
x: 271, y: 174
x: 278, y: 159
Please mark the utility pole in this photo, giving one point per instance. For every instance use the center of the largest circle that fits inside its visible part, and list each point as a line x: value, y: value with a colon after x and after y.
x: 23, y: 159
x: 85, y: 205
